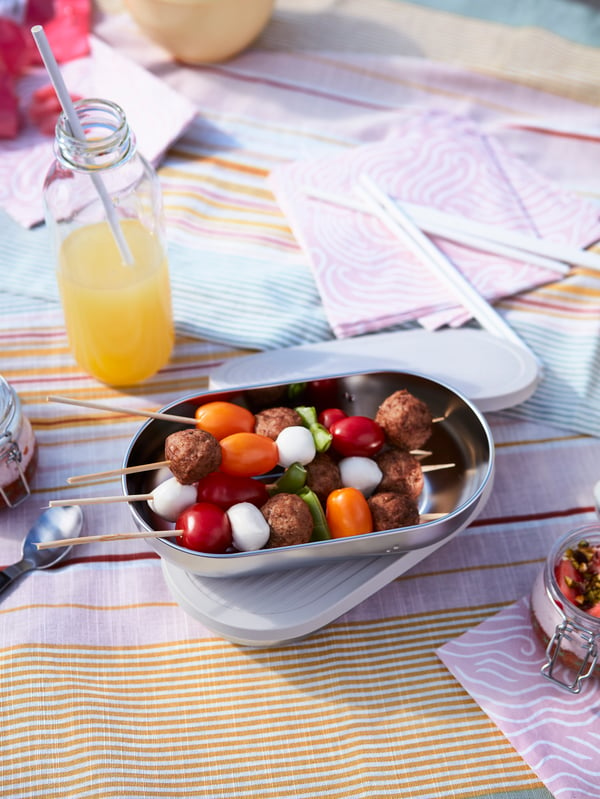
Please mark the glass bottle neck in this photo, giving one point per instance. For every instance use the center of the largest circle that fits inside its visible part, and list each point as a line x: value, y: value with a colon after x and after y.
x: 109, y: 142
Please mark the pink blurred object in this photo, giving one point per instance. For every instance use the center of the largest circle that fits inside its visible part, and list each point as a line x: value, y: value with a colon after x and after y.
x: 24, y: 161
x: 67, y: 26
x: 15, y: 48
x: 9, y: 105
x: 44, y: 108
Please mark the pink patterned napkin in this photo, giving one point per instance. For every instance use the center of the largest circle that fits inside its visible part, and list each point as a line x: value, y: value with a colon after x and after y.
x: 367, y: 279
x: 106, y: 73
x: 557, y: 733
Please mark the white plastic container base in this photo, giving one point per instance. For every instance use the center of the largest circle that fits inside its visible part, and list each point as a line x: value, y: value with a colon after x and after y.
x: 277, y: 608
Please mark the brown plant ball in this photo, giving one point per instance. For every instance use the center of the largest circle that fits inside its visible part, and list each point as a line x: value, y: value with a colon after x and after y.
x: 401, y: 472
x: 192, y: 454
x: 405, y: 419
x: 289, y: 519
x: 391, y: 509
x: 264, y: 397
x: 272, y: 421
x: 323, y: 476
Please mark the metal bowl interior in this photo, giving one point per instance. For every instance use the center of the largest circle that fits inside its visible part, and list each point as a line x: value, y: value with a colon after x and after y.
x: 458, y: 494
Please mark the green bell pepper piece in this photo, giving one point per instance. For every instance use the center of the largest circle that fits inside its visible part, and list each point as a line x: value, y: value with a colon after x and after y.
x: 291, y: 481
x: 321, y: 528
x: 321, y: 435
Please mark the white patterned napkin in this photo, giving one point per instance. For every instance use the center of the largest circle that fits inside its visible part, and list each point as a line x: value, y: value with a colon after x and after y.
x: 367, y: 279
x: 557, y: 733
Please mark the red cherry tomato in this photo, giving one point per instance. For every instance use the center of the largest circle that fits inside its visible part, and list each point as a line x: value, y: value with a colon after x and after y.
x: 331, y: 415
x: 226, y: 490
x: 248, y: 454
x: 565, y: 573
x: 595, y: 610
x: 348, y: 513
x: 206, y: 528
x: 323, y: 393
x: 357, y: 435
x: 223, y: 419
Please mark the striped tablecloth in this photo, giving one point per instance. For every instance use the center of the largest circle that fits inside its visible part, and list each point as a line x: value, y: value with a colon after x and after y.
x: 108, y: 688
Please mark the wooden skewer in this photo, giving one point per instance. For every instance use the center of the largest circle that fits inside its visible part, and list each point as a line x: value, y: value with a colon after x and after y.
x: 431, y: 517
x: 145, y: 467
x: 90, y: 539
x: 99, y: 500
x: 167, y: 417
x: 438, y: 419
x: 84, y: 478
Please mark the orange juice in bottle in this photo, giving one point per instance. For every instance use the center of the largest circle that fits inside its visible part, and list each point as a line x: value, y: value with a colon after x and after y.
x: 112, y: 272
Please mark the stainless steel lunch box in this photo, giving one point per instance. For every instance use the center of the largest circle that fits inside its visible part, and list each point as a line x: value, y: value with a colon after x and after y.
x: 461, y: 437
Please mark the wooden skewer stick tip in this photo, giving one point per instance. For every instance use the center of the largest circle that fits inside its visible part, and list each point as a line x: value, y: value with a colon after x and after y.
x: 146, y: 467
x: 90, y: 539
x: 167, y: 417
x: 99, y: 500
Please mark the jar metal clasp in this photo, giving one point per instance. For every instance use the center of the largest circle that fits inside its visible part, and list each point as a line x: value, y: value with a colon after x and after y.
x: 14, y: 455
x: 568, y: 631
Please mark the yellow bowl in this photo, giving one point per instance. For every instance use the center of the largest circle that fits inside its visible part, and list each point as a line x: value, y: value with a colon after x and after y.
x: 201, y: 31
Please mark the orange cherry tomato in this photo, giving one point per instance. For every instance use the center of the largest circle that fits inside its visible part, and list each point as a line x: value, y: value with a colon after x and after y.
x: 348, y: 513
x: 222, y: 419
x: 248, y: 454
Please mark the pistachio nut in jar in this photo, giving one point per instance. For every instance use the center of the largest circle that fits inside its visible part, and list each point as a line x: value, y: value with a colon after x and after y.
x: 18, y: 449
x: 565, y: 608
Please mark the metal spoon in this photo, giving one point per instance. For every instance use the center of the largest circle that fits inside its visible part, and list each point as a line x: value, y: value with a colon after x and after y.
x: 59, y: 522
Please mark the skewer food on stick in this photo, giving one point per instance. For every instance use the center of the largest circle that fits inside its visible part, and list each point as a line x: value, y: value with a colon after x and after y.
x: 334, y: 465
x: 167, y: 417
x: 86, y: 478
x: 92, y: 539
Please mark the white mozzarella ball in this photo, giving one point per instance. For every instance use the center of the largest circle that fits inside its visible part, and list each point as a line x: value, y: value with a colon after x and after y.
x: 159, y: 476
x: 249, y: 528
x: 171, y: 498
x: 296, y: 445
x: 361, y: 473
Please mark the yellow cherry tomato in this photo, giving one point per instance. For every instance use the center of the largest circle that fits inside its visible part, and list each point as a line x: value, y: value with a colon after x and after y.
x: 348, y: 513
x: 248, y: 454
x: 222, y: 419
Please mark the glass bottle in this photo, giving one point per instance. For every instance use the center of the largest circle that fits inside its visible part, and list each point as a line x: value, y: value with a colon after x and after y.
x: 570, y: 633
x: 18, y: 449
x: 103, y: 206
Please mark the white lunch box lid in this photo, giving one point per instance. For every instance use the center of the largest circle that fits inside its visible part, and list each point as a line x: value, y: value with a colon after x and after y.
x: 492, y: 372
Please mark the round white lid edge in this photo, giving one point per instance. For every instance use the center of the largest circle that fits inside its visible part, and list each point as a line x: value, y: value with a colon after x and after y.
x: 493, y: 373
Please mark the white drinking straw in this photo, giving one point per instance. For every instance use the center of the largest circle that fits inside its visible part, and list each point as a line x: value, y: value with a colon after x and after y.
x: 77, y: 130
x: 407, y: 232
x: 553, y: 256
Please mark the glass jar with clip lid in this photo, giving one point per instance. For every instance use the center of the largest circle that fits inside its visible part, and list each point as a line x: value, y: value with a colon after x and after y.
x: 565, y: 608
x: 18, y: 449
